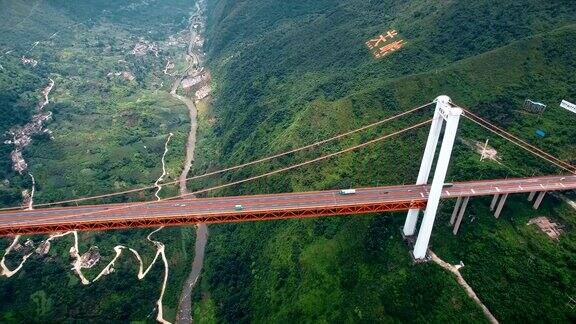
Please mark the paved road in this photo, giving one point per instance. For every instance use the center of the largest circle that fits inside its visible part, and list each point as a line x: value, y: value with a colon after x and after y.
x: 213, y: 209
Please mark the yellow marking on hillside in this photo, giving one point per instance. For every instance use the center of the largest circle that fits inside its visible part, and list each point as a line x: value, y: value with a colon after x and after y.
x: 380, y: 45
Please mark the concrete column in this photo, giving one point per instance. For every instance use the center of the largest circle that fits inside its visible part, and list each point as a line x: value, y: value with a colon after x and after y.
x: 452, y: 116
x: 455, y: 212
x: 539, y: 199
x: 494, y: 201
x: 460, y: 216
x: 426, y: 164
x: 500, y: 205
x: 531, y: 196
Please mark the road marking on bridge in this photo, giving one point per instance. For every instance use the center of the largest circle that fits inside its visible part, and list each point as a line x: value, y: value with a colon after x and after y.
x: 497, y: 189
x: 563, y: 186
x: 520, y: 187
x: 473, y: 191
x: 448, y: 193
x: 541, y: 185
x: 421, y: 194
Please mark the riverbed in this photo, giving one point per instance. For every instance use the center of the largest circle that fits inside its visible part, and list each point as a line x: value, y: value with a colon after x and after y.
x: 193, y: 56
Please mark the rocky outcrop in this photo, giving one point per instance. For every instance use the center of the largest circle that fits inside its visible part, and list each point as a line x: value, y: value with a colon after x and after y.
x: 88, y: 259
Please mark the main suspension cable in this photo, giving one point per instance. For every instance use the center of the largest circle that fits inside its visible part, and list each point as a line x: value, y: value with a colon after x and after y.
x: 232, y: 168
x: 522, y: 146
x: 518, y: 142
x: 230, y: 184
x: 519, y: 139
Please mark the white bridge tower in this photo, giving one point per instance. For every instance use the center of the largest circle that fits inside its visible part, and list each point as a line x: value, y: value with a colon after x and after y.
x: 444, y: 112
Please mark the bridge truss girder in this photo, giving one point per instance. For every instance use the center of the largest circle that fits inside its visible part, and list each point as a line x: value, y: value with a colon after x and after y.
x: 227, y: 217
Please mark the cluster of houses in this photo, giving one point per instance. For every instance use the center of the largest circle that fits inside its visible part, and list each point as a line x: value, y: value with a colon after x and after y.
x: 126, y: 75
x: 22, y: 137
x: 28, y: 61
x: 143, y: 47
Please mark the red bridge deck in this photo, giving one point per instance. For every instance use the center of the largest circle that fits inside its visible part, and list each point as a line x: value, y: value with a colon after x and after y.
x: 259, y: 207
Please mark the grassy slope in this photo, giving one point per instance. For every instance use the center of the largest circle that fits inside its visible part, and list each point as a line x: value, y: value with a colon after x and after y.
x: 109, y: 135
x: 284, y: 82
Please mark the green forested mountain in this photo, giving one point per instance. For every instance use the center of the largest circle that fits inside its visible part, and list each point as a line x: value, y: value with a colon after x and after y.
x: 288, y: 73
x: 108, y: 134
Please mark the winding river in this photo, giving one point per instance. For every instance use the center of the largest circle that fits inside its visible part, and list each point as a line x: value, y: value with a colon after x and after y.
x: 194, y: 53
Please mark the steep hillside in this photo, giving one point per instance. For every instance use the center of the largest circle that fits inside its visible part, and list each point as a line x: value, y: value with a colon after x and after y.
x: 291, y: 73
x: 274, y: 66
x: 111, y: 114
x: 287, y: 73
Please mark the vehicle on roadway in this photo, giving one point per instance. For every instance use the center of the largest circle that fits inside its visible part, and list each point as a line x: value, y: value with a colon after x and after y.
x: 238, y: 207
x: 448, y: 185
x: 347, y: 191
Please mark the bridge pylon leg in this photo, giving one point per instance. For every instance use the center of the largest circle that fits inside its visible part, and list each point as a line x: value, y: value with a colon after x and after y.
x: 531, y: 195
x: 427, y: 160
x: 452, y: 117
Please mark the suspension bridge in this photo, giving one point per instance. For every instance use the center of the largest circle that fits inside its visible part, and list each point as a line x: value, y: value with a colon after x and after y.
x: 183, y: 210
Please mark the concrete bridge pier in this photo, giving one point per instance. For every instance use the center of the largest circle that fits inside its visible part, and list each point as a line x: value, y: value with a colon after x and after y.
x: 494, y: 201
x: 455, y: 212
x: 539, y: 199
x: 462, y: 210
x: 500, y: 205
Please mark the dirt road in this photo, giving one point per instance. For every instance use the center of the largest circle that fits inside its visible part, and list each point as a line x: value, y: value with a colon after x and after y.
x: 469, y: 291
